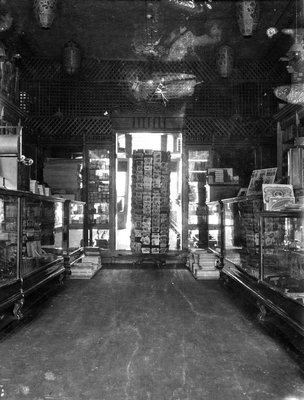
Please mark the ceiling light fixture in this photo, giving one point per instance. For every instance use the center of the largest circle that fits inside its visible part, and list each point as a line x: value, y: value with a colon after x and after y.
x: 224, y: 61
x: 5, y: 22
x: 3, y: 55
x: 45, y: 12
x: 71, y: 57
x: 247, y: 16
x: 272, y: 31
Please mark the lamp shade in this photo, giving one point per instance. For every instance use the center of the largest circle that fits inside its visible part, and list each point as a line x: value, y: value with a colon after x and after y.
x: 293, y: 94
x: 247, y: 16
x: 71, y: 57
x: 224, y: 61
x: 2, y: 52
x: 45, y: 11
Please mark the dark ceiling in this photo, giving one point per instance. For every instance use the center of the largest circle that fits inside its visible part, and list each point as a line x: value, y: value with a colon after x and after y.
x: 117, y: 29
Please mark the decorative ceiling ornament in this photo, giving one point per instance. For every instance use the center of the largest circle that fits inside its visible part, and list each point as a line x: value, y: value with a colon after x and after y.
x: 184, y: 42
x: 146, y: 40
x: 247, y: 16
x: 45, y: 11
x: 5, y: 22
x: 224, y: 61
x: 71, y: 58
x: 293, y: 94
x: 272, y: 31
x: 191, y: 5
x: 163, y: 87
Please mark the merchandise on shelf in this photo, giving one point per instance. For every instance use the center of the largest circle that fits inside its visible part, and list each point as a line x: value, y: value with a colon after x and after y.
x: 150, y: 202
x: 8, y: 239
x: 99, y: 187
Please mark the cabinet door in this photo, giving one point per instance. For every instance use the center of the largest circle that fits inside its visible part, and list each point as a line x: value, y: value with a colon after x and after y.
x: 198, y: 163
x: 42, y: 232
x: 98, y: 194
x: 282, y: 248
x: 73, y: 229
x: 215, y: 227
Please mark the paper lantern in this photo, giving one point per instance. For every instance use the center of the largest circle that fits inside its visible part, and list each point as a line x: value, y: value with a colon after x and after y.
x: 247, y: 16
x: 71, y: 57
x: 45, y: 11
x: 2, y: 52
x: 224, y: 61
x: 293, y: 94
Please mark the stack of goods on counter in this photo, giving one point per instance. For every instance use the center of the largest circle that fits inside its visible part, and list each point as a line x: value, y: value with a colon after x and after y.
x: 150, y: 202
x: 203, y: 264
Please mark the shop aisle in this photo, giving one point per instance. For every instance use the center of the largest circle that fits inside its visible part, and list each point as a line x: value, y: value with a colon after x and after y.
x: 146, y: 334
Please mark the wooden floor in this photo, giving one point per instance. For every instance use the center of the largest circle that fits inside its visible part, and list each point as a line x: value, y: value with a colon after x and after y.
x: 146, y: 334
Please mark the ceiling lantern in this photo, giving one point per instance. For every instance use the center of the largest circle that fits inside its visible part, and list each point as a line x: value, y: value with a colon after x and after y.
x: 247, y: 16
x: 224, y: 61
x: 2, y: 52
x: 71, y: 58
x: 45, y: 12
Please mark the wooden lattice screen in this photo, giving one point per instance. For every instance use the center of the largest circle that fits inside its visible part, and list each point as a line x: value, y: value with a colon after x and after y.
x: 58, y: 105
x: 57, y: 129
x: 206, y: 129
x: 34, y: 69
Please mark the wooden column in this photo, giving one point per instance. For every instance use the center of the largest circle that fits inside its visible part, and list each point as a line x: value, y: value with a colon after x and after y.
x: 279, y: 152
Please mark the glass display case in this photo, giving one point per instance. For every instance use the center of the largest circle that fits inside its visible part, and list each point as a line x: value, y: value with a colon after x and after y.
x: 241, y: 233
x: 10, y: 282
x: 98, y: 197
x: 42, y: 240
x: 263, y: 252
x: 73, y: 232
x: 198, y: 162
x: 31, y: 246
x: 282, y: 252
x: 215, y: 234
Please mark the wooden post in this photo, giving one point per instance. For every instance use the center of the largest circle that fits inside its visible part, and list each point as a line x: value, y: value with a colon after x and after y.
x: 279, y: 152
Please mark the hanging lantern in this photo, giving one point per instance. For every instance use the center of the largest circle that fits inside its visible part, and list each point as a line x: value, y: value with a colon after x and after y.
x: 293, y: 94
x: 224, y: 61
x: 247, y: 16
x: 45, y: 12
x: 71, y: 57
x: 2, y: 52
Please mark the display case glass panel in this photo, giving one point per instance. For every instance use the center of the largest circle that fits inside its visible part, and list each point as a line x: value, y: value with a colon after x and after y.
x: 198, y: 163
x: 99, y: 196
x: 282, y: 248
x: 75, y: 224
x: 42, y: 232
x: 9, y: 217
x: 214, y: 227
x: 241, y: 233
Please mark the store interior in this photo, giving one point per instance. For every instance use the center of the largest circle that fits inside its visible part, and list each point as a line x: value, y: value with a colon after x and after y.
x: 151, y: 181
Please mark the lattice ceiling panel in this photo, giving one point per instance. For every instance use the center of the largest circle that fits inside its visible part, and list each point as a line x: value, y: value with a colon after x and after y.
x: 56, y: 128
x: 205, y: 129
x: 99, y: 70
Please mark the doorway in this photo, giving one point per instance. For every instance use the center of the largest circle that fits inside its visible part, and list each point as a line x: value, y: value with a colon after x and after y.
x: 128, y: 144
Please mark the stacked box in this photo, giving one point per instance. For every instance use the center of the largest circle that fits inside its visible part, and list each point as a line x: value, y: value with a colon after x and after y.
x: 150, y: 202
